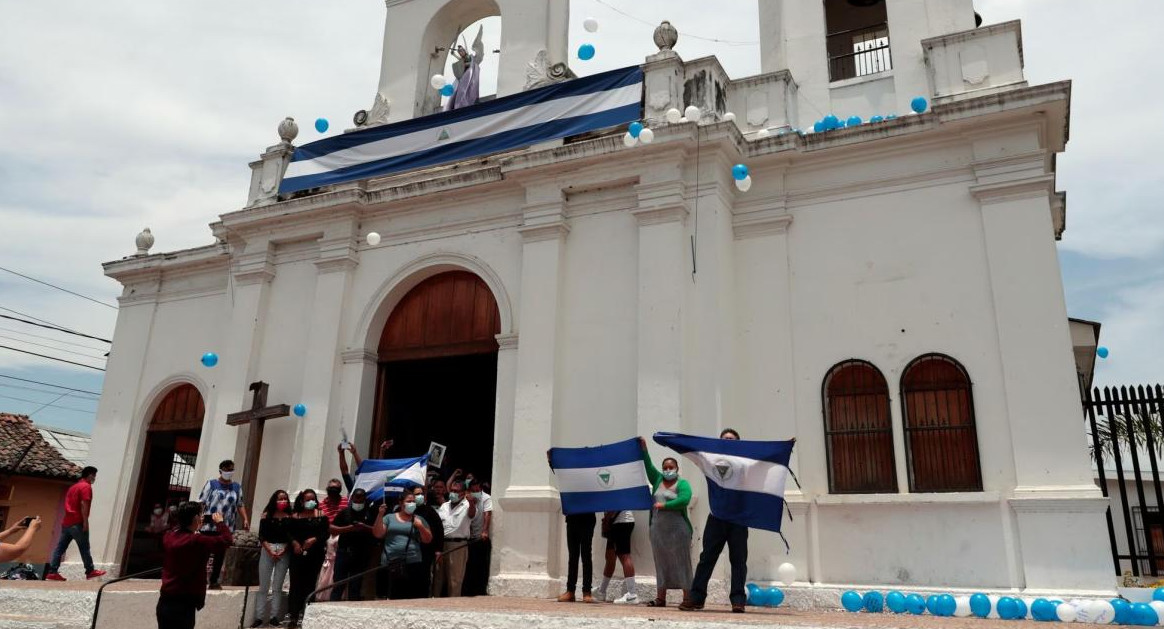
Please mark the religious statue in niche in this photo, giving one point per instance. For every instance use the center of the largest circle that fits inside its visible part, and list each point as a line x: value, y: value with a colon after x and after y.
x: 467, y: 70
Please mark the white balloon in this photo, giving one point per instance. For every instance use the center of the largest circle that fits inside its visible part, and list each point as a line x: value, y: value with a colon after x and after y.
x: 1158, y: 607
x: 1066, y: 612
x: 961, y: 606
x: 729, y: 117
x: 373, y: 238
x: 763, y: 133
x: 646, y: 136
x: 590, y: 24
x: 437, y: 81
x: 683, y: 120
x: 1102, y: 612
x: 744, y: 184
x: 673, y: 115
x: 692, y: 113
x: 993, y: 605
x: 787, y: 573
x: 629, y: 140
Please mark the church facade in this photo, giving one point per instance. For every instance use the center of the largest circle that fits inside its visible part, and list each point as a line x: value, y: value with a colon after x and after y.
x: 887, y: 294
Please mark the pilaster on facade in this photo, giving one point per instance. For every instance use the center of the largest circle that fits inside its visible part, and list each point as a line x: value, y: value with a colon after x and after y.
x: 661, y: 202
x: 254, y: 267
x: 544, y: 214
x: 337, y: 254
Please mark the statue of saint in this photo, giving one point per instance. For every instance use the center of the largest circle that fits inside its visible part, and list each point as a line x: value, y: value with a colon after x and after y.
x: 467, y: 70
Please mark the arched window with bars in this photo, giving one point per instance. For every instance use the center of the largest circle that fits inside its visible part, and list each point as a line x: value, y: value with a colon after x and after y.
x: 858, y: 429
x: 941, y: 439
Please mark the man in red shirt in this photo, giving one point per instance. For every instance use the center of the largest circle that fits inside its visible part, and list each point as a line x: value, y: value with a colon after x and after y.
x: 184, y: 566
x: 75, y: 526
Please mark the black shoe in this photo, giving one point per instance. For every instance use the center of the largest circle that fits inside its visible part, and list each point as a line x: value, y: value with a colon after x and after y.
x: 737, y: 609
x: 214, y: 586
x: 257, y: 623
x: 690, y: 606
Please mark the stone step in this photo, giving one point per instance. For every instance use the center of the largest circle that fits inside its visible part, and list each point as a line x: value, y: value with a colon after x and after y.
x: 32, y: 622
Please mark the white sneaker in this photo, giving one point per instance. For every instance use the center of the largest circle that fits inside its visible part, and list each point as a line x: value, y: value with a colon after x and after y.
x: 630, y: 598
x: 599, y: 595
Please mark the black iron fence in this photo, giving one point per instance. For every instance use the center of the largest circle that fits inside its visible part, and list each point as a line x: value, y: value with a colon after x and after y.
x: 1127, y: 444
x: 859, y: 52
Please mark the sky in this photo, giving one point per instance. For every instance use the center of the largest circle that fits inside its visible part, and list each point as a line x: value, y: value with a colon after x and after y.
x: 118, y: 115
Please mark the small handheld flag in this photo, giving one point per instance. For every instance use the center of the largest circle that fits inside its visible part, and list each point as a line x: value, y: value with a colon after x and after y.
x: 374, y: 475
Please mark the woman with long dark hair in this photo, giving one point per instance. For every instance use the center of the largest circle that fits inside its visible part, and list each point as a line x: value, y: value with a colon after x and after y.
x: 273, y: 559
x: 308, y: 530
x: 403, y: 534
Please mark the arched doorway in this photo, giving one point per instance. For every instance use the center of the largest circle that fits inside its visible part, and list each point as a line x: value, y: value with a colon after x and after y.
x: 437, y: 376
x: 171, y: 450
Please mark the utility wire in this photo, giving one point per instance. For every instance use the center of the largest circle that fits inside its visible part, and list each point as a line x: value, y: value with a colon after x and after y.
x: 49, y: 338
x: 49, y: 326
x: 33, y: 279
x: 43, y: 404
x: 60, y: 360
x: 728, y: 42
x: 48, y: 384
x: 67, y: 351
x: 4, y: 385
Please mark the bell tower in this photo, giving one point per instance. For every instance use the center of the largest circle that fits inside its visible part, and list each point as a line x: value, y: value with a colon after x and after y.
x: 417, y: 34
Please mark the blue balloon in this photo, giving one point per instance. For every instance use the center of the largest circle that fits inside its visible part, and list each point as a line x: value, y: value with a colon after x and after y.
x: 209, y: 359
x: 1042, y: 609
x: 586, y: 52
x: 321, y: 125
x: 980, y: 605
x: 300, y: 410
x: 831, y: 122
x: 774, y: 596
x: 874, y: 602
x: 819, y: 127
x: 1103, y: 352
x: 740, y: 172
x: 895, y: 601
x: 855, y: 121
x: 851, y: 601
x: 915, y: 604
x: 919, y: 104
x: 891, y: 117
x: 448, y: 90
x: 932, y: 604
x: 1021, y: 606
x: 1143, y: 614
x: 1123, y: 611
x: 757, y: 597
x: 635, y: 129
x: 876, y: 119
x: 1007, y: 608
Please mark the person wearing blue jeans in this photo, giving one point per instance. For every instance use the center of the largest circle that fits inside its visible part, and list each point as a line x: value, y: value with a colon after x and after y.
x: 75, y: 527
x: 717, y: 533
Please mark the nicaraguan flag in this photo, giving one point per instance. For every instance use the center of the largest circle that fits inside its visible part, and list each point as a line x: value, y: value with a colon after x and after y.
x: 605, y: 478
x: 745, y: 479
x: 547, y: 113
x: 374, y: 475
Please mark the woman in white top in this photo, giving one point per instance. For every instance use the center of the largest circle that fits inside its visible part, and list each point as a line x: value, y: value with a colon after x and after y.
x: 617, y: 527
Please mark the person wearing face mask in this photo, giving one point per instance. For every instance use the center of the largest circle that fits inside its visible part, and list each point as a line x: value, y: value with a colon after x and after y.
x: 273, y: 559
x: 477, y: 567
x: 456, y: 517
x: 183, y: 590
x: 353, y: 525
x: 438, y: 493
x: 403, y: 534
x: 670, y: 528
x: 308, y: 529
x: 430, y: 552
x: 334, y: 502
x: 223, y: 496
x: 159, y: 520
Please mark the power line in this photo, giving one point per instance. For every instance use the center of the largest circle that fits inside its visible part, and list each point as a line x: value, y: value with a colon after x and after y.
x: 48, y: 384
x: 728, y: 42
x: 50, y: 326
x: 66, y: 408
x: 57, y: 349
x: 33, y: 279
x: 49, y: 338
x: 60, y: 360
x: 4, y: 385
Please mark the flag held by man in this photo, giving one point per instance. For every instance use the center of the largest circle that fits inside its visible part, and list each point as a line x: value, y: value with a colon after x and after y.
x: 604, y: 478
x: 374, y: 475
x: 745, y: 479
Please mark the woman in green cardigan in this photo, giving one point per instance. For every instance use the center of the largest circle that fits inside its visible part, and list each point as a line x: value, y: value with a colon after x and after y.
x: 670, y: 528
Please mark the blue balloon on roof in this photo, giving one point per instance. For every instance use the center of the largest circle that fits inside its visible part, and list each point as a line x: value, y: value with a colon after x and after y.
x: 740, y: 172
x: 635, y: 129
x: 448, y: 90
x: 919, y: 104
x: 855, y: 121
x: 876, y: 119
x: 831, y: 122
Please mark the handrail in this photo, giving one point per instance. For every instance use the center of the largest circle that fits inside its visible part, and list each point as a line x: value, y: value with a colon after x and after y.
x: 101, y: 590
x: 361, y: 575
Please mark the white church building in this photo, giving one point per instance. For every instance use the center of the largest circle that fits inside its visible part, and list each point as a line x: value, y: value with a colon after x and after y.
x: 888, y: 294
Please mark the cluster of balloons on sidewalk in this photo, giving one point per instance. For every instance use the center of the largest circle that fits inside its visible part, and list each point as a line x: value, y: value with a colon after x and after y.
x: 210, y: 360
x: 1115, y: 611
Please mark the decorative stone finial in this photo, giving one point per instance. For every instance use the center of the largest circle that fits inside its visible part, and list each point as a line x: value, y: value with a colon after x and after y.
x: 666, y: 36
x: 144, y: 241
x: 288, y: 130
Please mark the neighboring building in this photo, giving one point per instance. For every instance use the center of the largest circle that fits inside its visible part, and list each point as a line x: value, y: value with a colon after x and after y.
x: 33, y: 479
x: 887, y: 294
x: 72, y: 445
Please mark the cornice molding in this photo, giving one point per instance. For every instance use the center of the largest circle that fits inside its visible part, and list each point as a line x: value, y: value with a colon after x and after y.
x: 761, y: 223
x: 550, y: 231
x: 1041, y: 186
x: 506, y: 341
x: 359, y: 355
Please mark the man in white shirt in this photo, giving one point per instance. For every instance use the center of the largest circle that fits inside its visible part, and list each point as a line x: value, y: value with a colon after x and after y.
x: 480, y: 548
x: 457, y: 517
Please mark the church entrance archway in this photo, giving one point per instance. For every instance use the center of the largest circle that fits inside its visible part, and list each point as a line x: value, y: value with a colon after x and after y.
x: 171, y: 450
x: 437, y: 379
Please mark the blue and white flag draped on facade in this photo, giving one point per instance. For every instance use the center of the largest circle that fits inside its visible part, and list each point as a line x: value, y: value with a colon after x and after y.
x: 374, y: 475
x: 745, y: 479
x: 547, y: 113
x: 604, y: 478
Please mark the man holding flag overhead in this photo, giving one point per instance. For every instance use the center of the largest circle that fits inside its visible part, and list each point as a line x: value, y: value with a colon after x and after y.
x: 745, y: 483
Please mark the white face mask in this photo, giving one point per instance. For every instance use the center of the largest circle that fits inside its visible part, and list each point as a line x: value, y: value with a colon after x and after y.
x: 454, y: 496
x: 158, y: 511
x: 226, y: 475
x: 357, y: 506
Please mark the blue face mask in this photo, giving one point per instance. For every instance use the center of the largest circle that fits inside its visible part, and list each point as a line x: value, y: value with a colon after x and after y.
x: 454, y: 496
x: 310, y: 505
x: 420, y: 499
x: 410, y: 508
x: 358, y: 506
x: 670, y: 474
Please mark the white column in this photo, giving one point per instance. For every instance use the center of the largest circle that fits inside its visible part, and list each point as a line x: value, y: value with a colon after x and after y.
x: 253, y: 271
x: 532, y: 532
x: 357, y: 402
x: 314, y: 459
